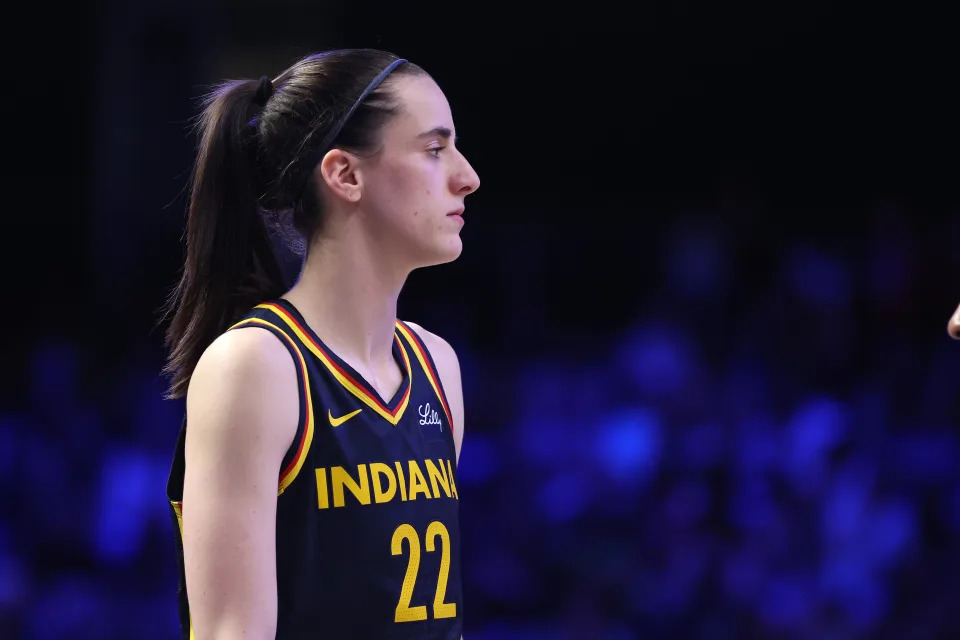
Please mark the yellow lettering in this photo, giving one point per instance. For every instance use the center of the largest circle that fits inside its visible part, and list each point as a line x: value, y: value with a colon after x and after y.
x: 323, y: 502
x: 417, y: 482
x: 376, y: 470
x: 441, y: 609
x: 438, y: 475
x: 385, y: 482
x: 340, y: 479
x: 453, y: 485
x: 404, y: 612
x: 402, y: 483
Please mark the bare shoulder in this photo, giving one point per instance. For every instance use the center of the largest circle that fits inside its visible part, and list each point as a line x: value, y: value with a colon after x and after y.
x: 448, y: 368
x: 444, y: 355
x: 439, y: 348
x: 245, y: 381
x: 242, y: 417
x: 244, y: 352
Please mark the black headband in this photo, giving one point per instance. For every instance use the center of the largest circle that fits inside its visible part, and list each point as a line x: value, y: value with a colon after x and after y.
x: 331, y: 136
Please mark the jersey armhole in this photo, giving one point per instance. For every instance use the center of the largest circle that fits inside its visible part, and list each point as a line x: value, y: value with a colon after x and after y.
x: 294, y: 457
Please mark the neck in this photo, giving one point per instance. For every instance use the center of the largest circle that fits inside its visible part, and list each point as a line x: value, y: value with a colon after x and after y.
x: 348, y: 296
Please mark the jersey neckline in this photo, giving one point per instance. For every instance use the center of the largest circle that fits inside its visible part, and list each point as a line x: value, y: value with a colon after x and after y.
x: 349, y: 377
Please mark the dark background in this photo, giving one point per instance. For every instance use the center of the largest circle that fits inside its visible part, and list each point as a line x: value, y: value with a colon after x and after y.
x: 700, y: 311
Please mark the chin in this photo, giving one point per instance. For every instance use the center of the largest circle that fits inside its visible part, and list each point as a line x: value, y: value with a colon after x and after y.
x: 451, y: 254
x: 448, y: 251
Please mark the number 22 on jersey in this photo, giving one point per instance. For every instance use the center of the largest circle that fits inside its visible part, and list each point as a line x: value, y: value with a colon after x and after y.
x: 441, y: 609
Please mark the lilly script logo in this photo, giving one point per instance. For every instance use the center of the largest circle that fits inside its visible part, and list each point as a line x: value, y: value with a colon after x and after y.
x: 428, y: 416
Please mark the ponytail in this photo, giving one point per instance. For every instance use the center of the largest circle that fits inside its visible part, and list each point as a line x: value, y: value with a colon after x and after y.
x: 230, y: 265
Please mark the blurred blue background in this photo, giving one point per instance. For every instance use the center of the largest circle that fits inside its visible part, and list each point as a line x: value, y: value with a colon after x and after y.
x: 700, y: 311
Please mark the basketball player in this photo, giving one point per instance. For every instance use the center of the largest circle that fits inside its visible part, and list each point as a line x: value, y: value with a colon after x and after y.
x: 314, y: 485
x: 953, y: 326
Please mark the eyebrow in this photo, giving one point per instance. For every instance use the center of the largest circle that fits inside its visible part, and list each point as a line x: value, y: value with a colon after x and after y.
x: 442, y: 132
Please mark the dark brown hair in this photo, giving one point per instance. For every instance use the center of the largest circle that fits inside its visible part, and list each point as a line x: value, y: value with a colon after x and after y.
x: 256, y: 154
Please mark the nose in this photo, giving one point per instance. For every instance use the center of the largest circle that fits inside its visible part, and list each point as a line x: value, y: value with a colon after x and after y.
x: 953, y: 327
x: 464, y: 179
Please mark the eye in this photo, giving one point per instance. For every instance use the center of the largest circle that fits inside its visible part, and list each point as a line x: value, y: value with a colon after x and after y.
x: 435, y: 151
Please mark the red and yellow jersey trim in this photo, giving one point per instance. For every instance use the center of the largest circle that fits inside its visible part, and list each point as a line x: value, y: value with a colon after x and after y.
x: 289, y: 474
x: 343, y: 377
x: 420, y: 351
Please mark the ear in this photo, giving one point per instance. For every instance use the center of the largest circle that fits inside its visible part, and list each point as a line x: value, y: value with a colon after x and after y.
x: 338, y: 170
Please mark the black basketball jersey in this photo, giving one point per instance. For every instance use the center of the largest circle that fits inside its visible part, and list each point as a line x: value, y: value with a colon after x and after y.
x: 368, y: 539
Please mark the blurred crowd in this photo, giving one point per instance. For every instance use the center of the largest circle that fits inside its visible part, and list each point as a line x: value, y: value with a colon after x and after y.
x: 768, y: 447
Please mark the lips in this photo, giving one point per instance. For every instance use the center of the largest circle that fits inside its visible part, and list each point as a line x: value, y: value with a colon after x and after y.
x: 457, y: 212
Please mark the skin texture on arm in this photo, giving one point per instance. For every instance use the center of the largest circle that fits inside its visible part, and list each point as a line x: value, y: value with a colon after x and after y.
x: 448, y: 368
x: 242, y: 414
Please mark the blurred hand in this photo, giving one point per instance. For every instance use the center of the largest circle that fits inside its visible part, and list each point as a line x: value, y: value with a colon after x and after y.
x: 953, y: 327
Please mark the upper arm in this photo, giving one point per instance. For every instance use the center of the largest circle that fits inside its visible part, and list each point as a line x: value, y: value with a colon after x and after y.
x: 242, y: 415
x: 448, y: 368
